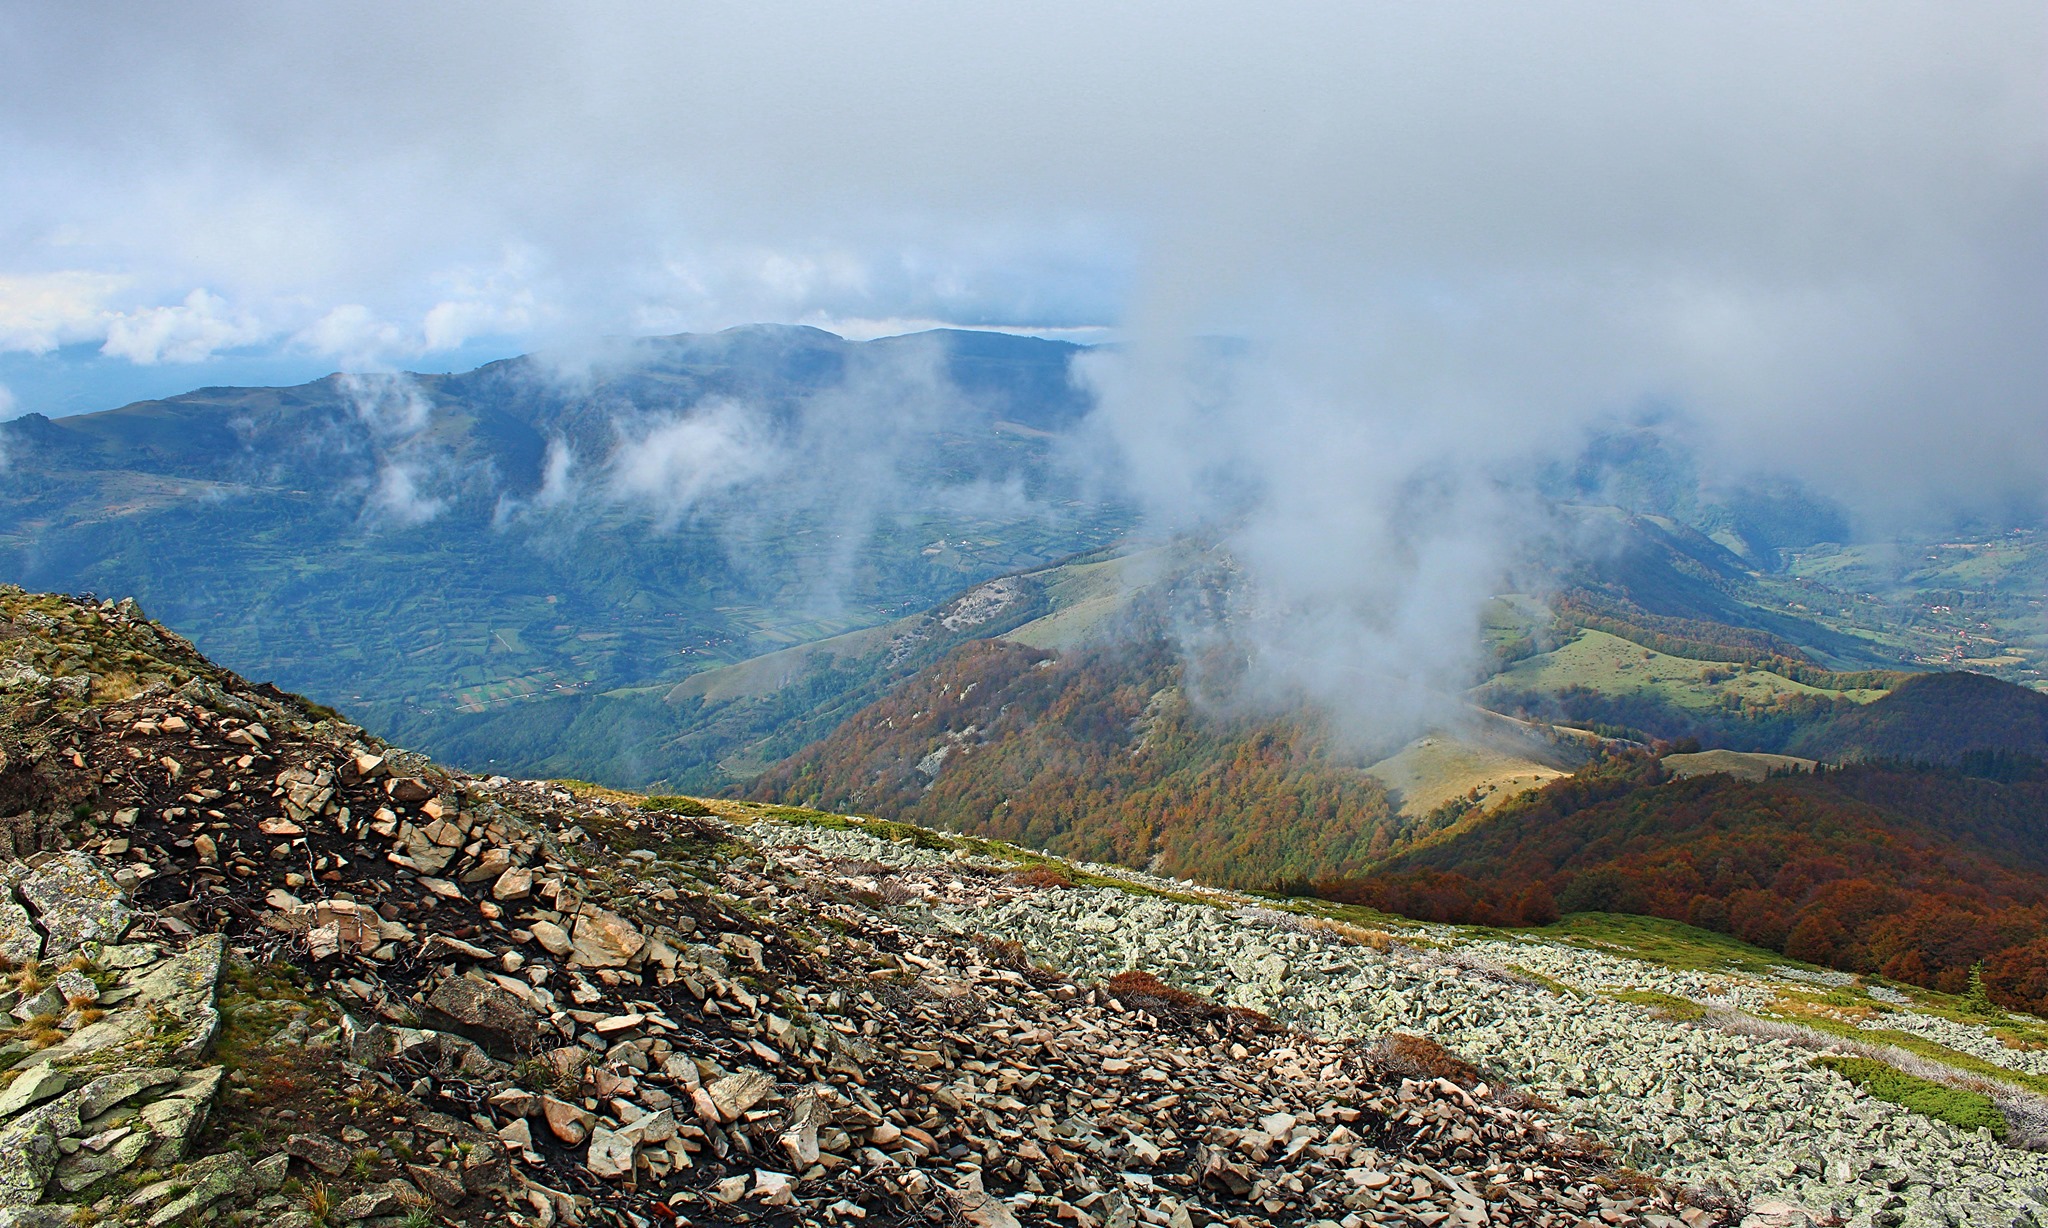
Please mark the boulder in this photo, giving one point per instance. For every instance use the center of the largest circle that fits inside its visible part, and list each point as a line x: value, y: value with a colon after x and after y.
x: 604, y: 939
x: 75, y: 902
x: 484, y: 1012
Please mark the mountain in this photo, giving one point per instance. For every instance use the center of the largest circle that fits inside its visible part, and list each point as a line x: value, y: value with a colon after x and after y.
x: 432, y: 550
x: 268, y: 966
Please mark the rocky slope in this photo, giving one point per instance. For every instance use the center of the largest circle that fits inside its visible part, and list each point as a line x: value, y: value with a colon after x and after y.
x: 266, y: 967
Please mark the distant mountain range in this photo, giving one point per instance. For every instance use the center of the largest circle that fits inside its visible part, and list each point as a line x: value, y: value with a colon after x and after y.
x: 863, y: 576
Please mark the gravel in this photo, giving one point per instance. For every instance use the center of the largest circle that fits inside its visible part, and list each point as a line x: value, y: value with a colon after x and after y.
x: 1682, y: 1102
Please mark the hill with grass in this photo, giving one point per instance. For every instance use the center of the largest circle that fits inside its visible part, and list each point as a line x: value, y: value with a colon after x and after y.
x: 1937, y: 718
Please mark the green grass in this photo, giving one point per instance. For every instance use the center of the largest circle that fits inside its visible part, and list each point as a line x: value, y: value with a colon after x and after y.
x: 1921, y: 1046
x: 1670, y: 1006
x: 1673, y: 944
x: 1967, y: 1110
x: 688, y: 807
x: 1615, y: 666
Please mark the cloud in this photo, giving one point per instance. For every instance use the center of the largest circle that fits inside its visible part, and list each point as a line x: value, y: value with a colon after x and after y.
x: 397, y: 499
x: 669, y: 463
x: 192, y: 331
x: 41, y: 311
x: 414, y: 477
x: 1451, y: 239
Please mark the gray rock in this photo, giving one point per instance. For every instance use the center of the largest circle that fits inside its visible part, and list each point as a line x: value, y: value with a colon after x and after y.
x: 610, y: 1156
x: 29, y: 1151
x: 76, y: 901
x: 320, y: 1151
x: 210, y: 1180
x: 439, y: 1184
x: 84, y: 1168
x: 33, y: 1086
x: 484, y: 1012
x: 107, y: 1091
x: 20, y: 940
x: 604, y: 939
x: 172, y: 1015
x: 177, y: 1118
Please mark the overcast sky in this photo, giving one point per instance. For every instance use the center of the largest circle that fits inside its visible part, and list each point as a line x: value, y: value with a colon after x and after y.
x: 1807, y: 224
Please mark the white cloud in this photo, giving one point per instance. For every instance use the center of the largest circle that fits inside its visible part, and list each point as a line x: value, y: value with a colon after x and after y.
x: 397, y: 498
x: 192, y: 331
x: 41, y: 311
x: 351, y: 332
x: 669, y: 463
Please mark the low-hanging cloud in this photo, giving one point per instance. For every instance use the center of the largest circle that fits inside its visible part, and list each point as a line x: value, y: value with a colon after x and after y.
x: 412, y: 479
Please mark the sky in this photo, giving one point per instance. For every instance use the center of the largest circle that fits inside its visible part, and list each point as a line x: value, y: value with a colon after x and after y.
x: 1446, y: 242
x: 1771, y: 211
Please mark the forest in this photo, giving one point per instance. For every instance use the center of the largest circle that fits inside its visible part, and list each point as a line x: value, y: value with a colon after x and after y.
x: 1098, y: 755
x: 1914, y: 872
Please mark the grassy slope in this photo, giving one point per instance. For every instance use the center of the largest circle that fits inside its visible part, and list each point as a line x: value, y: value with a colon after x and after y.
x: 1614, y: 666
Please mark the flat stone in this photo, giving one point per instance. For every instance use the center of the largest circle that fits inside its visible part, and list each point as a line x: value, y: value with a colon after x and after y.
x: 485, y: 1012
x: 177, y: 1118
x: 76, y: 987
x: 736, y: 1093
x: 20, y: 940
x: 89, y: 1166
x: 514, y: 884
x: 657, y: 1127
x: 569, y: 1122
x: 76, y: 901
x: 515, y: 1102
x: 210, y: 1180
x: 439, y: 1184
x: 610, y: 1155
x: 33, y: 1086
x: 319, y: 1151
x: 107, y: 1091
x: 552, y: 937
x: 604, y: 939
x: 29, y: 1148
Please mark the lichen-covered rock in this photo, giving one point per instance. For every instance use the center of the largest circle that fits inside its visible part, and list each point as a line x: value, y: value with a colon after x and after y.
x: 75, y: 902
x: 208, y: 1181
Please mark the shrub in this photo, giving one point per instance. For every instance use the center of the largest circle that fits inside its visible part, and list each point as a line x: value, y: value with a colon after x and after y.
x: 1043, y: 876
x: 1419, y: 1057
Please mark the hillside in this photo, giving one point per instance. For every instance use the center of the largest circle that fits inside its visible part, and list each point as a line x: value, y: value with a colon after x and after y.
x: 1936, y: 718
x: 272, y: 968
x: 1918, y: 875
x: 1096, y: 754
x: 436, y: 550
